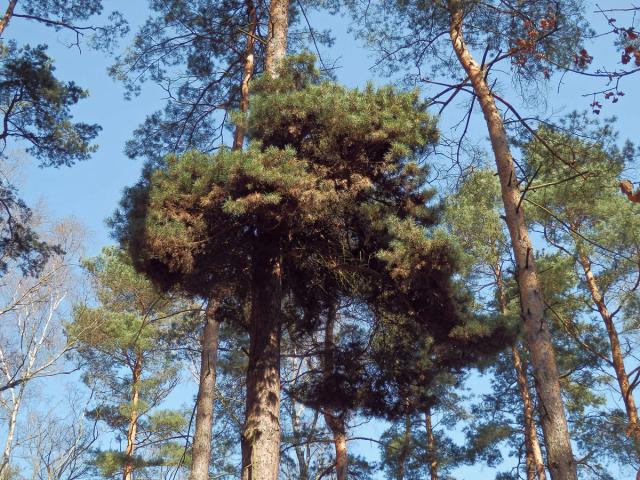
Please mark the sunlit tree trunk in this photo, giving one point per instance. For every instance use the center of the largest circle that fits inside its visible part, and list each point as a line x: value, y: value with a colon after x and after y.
x: 616, y: 350
x: 7, y: 16
x: 432, y: 457
x: 247, y: 72
x: 562, y: 465
x: 201, y: 454
x: 534, y: 460
x: 16, y: 400
x: 128, y: 467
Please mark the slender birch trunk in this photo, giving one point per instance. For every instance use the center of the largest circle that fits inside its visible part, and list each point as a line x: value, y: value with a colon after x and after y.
x: 431, y: 446
x: 7, y: 16
x: 127, y: 470
x: 206, y: 394
x: 335, y: 420
x: 16, y: 401
x: 247, y: 73
x: 562, y: 465
x: 261, y: 436
x: 534, y: 460
x: 303, y: 466
x: 616, y: 350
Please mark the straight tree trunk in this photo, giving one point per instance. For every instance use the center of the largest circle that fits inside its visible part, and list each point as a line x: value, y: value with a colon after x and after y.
x: 247, y: 73
x: 206, y: 394
x: 616, y: 350
x: 335, y: 420
x: 277, y: 36
x: 562, y: 465
x: 403, y: 455
x: 431, y: 446
x: 535, y: 463
x: 534, y: 460
x: 127, y: 471
x: 261, y: 436
x: 7, y: 16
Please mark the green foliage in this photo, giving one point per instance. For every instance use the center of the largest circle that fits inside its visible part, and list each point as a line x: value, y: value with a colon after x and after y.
x: 540, y: 37
x: 36, y: 107
x: 122, y: 349
x: 200, y: 215
x: 195, y: 50
x: 405, y: 454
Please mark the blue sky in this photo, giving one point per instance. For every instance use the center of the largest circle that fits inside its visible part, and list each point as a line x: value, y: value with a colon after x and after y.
x: 91, y: 190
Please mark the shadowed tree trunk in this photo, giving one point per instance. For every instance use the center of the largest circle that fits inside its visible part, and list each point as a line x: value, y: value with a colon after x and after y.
x: 127, y: 470
x: 261, y: 436
x: 562, y: 465
x: 335, y: 420
x: 7, y: 16
x: 206, y: 394
x: 616, y: 351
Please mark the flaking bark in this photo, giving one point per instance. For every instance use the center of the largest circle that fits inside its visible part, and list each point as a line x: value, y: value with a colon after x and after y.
x: 261, y: 436
x: 534, y: 460
x: 206, y: 394
x: 562, y: 465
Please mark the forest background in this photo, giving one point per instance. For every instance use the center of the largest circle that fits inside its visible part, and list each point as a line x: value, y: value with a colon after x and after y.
x: 90, y: 191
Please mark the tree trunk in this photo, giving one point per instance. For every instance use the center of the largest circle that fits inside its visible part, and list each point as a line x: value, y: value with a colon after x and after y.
x: 7, y: 16
x: 545, y: 370
x: 431, y: 446
x: 261, y: 437
x: 127, y: 471
x: 247, y: 73
x: 206, y: 394
x: 335, y: 420
x: 277, y: 36
x: 303, y: 464
x: 534, y: 460
x: 13, y: 420
x: 616, y: 351
x: 338, y: 430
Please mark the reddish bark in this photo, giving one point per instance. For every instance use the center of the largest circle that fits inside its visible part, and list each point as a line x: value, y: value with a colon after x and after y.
x: 206, y: 395
x: 562, y: 465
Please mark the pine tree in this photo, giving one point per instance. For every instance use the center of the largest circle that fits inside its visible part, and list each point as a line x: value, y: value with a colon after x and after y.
x: 536, y: 37
x: 318, y: 150
x: 584, y: 215
x: 120, y: 347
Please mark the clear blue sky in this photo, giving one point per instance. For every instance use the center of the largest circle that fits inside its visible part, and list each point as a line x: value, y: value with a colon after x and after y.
x: 91, y: 190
